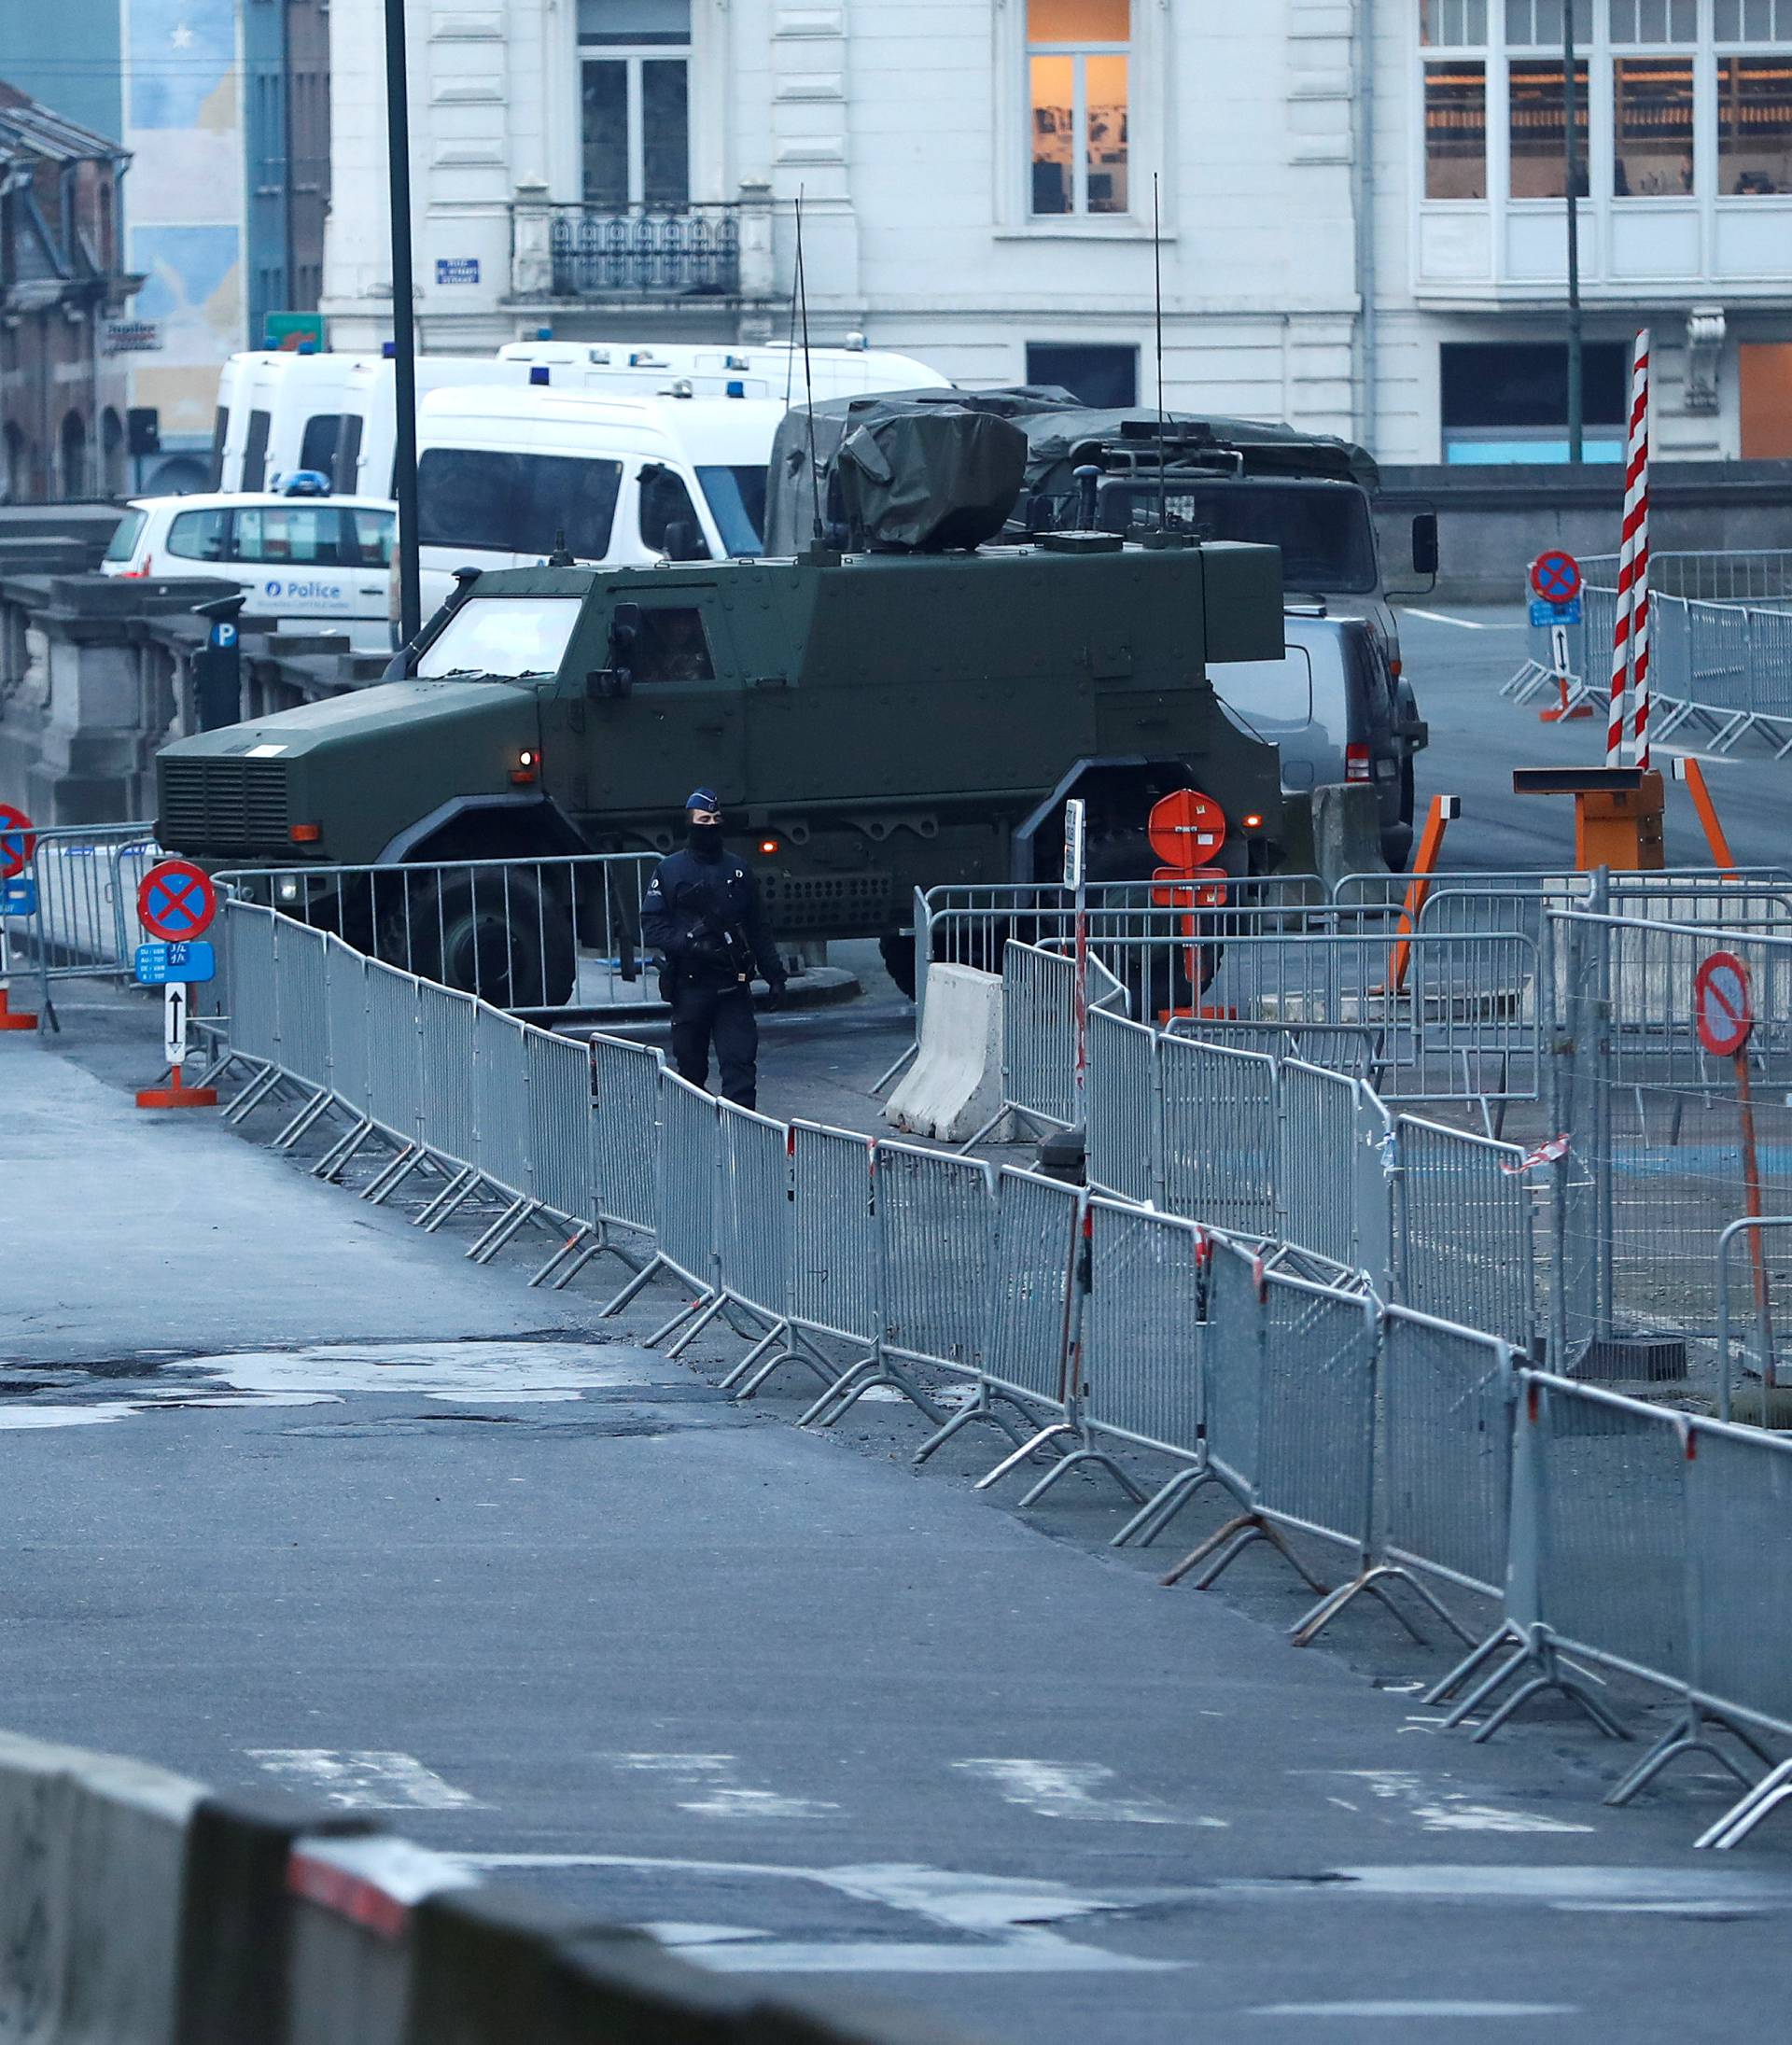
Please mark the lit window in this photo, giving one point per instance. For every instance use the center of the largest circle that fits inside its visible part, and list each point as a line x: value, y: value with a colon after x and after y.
x: 1539, y: 164
x: 1452, y: 24
x: 1078, y: 54
x: 1456, y: 131
x: 1651, y: 126
x: 1753, y: 126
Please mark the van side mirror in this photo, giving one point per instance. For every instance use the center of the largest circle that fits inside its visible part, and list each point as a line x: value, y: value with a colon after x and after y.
x: 1425, y: 543
x: 618, y: 678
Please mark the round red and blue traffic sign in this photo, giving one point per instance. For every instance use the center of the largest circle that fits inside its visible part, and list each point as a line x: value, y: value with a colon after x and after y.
x: 1723, y: 1007
x: 1554, y: 575
x: 17, y: 841
x: 176, y: 902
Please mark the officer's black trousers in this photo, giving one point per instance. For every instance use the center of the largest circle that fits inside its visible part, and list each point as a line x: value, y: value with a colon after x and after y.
x: 722, y: 1015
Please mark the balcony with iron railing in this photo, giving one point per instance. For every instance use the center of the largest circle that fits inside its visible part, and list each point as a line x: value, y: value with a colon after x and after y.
x: 668, y: 255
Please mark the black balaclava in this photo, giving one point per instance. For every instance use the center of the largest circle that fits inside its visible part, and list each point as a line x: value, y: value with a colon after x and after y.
x: 704, y: 840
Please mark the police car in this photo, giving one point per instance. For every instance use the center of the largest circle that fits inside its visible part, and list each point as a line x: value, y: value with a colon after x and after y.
x: 294, y: 552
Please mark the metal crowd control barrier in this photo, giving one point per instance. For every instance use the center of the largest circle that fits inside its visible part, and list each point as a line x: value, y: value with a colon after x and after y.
x: 1624, y: 1533
x: 1463, y: 1223
x: 537, y: 935
x: 84, y: 924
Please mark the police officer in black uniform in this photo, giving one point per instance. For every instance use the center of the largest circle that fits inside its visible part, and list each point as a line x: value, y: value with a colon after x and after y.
x: 704, y: 917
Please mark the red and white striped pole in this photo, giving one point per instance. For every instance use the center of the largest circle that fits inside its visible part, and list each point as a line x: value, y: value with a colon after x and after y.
x: 1630, y: 632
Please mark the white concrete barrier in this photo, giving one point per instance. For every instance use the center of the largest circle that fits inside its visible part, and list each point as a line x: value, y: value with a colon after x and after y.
x: 954, y: 1083
x: 349, y: 1969
x: 92, y: 1850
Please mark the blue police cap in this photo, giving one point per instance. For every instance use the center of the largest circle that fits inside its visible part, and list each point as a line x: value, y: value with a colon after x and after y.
x: 702, y: 798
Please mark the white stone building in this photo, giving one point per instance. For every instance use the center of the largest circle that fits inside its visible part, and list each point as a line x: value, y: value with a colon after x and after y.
x: 1361, y: 201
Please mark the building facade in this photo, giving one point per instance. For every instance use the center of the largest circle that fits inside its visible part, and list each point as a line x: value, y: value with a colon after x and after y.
x: 1360, y: 204
x: 63, y: 399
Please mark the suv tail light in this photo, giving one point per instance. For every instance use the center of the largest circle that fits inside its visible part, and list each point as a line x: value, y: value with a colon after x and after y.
x: 1356, y: 763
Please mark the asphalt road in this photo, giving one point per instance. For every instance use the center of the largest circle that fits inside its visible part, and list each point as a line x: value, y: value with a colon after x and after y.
x: 1457, y: 659
x: 295, y: 1495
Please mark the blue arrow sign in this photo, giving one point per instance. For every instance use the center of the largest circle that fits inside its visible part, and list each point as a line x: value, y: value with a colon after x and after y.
x: 159, y: 964
x: 19, y: 896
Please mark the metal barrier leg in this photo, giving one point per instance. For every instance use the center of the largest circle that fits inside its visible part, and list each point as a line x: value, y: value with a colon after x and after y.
x: 1689, y: 1734
x: 1550, y: 1675
x: 864, y: 1375
x: 777, y: 1332
x: 798, y: 1351
x: 583, y: 1233
x: 331, y: 1163
x: 694, y: 1318
x: 1373, y: 1581
x: 981, y: 1411
x: 1741, y: 1818
x: 1084, y: 1454
x: 890, y: 1072
x: 642, y: 1279
x: 396, y: 1173
x: 252, y: 1096
x: 520, y: 1211
x: 1023, y: 1453
x: 458, y: 1187
x: 1502, y: 1636
x: 1162, y: 1506
x: 1230, y: 1541
x: 301, y: 1121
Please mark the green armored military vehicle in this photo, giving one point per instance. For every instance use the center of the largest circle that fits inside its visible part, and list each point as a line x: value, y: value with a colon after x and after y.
x: 872, y: 723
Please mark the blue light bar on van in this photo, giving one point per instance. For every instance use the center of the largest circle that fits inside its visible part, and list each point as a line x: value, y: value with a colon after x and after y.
x: 735, y: 387
x: 389, y: 349
x: 541, y: 374
x: 544, y: 333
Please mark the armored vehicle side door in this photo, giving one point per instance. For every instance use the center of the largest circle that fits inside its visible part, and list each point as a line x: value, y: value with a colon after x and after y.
x: 672, y: 722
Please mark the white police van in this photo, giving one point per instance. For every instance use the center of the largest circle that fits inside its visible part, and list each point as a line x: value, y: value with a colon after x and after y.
x: 292, y: 555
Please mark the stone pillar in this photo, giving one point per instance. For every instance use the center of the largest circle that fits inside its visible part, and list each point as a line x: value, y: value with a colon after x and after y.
x: 531, y: 243
x: 758, y: 280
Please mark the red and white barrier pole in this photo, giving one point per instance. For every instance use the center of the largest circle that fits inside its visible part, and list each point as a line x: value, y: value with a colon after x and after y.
x: 1632, y: 552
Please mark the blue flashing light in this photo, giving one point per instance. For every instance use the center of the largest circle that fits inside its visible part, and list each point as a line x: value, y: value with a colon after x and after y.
x: 544, y: 333
x: 735, y: 387
x: 389, y: 349
x: 541, y: 374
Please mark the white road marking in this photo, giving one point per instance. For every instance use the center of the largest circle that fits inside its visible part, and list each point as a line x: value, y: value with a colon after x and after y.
x: 723, y: 1795
x: 1417, y: 2009
x: 1467, y: 624
x: 1582, y: 1888
x: 365, y: 1779
x: 1074, y: 1789
x: 65, y: 1416
x: 1450, y: 1810
x: 1012, y: 1918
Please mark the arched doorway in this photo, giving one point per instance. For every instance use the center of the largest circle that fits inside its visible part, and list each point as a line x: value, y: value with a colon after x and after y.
x: 111, y: 454
x: 74, y: 480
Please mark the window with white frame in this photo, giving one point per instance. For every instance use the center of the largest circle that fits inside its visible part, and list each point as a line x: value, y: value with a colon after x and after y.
x: 1455, y: 114
x: 1078, y: 62
x: 634, y: 78
x: 1753, y: 97
x: 1653, y: 97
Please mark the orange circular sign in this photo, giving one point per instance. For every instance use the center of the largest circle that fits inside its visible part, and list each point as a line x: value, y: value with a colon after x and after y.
x: 1186, y: 830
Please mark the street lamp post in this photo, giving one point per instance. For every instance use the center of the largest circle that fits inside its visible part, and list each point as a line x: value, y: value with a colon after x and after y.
x: 1571, y: 145
x: 405, y: 338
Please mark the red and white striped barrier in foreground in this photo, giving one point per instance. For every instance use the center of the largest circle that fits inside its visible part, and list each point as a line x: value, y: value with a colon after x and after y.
x: 1630, y: 633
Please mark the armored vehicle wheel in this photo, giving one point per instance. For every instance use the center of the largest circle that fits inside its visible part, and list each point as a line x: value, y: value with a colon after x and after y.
x: 500, y: 935
x: 898, y: 952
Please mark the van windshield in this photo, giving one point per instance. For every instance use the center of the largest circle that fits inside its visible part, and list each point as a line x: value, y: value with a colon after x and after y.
x: 737, y: 499
x: 124, y: 536
x: 506, y: 637
x: 516, y: 503
x: 1324, y: 530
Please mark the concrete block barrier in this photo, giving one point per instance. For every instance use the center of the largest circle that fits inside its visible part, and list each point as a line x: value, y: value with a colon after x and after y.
x: 236, y: 1914
x: 90, y: 1856
x: 351, y: 1966
x: 954, y: 1083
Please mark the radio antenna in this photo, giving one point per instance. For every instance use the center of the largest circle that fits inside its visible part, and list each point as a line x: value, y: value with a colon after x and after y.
x: 1157, y: 293
x: 808, y: 383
